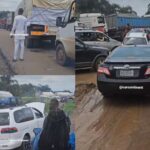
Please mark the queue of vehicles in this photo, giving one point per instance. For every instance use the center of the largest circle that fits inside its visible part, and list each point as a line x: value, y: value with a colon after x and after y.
x: 126, y: 68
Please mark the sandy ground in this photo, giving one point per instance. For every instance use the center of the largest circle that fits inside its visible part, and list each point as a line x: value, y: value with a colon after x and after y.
x: 117, y: 123
x: 38, y: 62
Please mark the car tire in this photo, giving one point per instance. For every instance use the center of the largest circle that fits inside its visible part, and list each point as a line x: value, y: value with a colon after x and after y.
x: 107, y: 95
x: 26, y: 145
x: 98, y: 61
x: 61, y: 57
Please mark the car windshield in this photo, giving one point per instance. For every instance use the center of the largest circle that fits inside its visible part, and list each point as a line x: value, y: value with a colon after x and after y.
x: 100, y: 20
x: 135, y: 41
x: 4, y: 119
x: 132, y: 52
x: 91, y: 36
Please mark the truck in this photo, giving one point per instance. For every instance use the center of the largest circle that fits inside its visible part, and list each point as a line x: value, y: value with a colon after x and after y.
x: 65, y: 37
x: 41, y: 23
x: 94, y: 20
x: 116, y: 24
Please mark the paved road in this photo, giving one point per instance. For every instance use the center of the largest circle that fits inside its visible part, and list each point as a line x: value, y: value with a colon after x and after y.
x: 37, y: 62
x: 117, y: 123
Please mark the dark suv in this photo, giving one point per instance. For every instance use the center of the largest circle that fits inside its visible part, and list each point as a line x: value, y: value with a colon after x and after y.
x: 89, y: 56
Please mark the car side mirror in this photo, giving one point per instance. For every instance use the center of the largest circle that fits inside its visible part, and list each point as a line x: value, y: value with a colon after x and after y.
x: 73, y: 19
x: 106, y: 39
x: 59, y: 22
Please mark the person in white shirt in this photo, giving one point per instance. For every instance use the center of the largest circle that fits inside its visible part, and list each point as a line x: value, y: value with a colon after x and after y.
x: 19, y: 31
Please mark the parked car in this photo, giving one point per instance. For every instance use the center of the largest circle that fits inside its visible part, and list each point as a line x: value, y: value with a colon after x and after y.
x: 97, y: 38
x: 125, y: 71
x: 136, y: 38
x: 17, y: 124
x: 7, y: 99
x: 89, y: 56
x: 143, y: 30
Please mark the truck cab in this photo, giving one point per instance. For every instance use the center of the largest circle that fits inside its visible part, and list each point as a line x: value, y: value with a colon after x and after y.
x: 65, y: 37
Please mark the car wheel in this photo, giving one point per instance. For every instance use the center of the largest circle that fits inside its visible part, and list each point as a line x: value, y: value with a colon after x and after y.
x: 61, y: 57
x: 98, y: 61
x: 26, y: 144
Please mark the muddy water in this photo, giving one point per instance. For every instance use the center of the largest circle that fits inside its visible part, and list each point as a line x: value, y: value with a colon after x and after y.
x: 117, y: 123
x: 86, y: 76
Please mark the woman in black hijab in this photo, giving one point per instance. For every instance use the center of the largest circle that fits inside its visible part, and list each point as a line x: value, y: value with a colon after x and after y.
x: 56, y: 128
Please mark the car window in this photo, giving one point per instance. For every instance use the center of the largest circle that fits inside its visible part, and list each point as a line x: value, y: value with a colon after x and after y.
x: 37, y: 113
x: 23, y: 115
x: 100, y: 20
x: 4, y: 119
x: 135, y: 41
x: 131, y: 52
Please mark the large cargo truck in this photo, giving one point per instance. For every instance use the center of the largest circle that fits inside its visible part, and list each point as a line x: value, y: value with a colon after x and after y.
x: 42, y: 15
x: 116, y: 24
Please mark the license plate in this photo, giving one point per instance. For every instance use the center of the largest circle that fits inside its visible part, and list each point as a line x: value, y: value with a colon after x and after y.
x: 126, y: 73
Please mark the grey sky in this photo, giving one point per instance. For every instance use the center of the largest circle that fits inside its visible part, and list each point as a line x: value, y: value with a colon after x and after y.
x: 10, y: 5
x: 140, y: 6
x: 55, y: 82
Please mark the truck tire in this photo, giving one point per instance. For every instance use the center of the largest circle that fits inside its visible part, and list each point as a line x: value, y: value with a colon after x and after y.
x: 61, y: 57
x: 29, y: 43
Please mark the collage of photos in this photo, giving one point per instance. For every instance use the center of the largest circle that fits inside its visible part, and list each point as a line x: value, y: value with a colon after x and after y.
x: 74, y: 74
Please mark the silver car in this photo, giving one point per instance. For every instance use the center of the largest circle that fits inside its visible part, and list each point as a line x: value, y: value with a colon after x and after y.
x: 97, y: 38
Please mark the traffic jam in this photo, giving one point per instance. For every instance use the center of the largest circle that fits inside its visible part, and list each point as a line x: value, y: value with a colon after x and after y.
x: 120, y: 56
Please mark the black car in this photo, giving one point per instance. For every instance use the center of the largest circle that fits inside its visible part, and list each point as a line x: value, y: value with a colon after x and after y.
x: 125, y: 71
x: 89, y: 56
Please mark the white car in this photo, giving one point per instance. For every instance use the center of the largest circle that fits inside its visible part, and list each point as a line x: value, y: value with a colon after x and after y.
x: 136, y: 38
x: 17, y: 124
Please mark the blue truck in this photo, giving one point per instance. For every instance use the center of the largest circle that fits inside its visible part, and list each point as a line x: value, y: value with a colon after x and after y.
x: 116, y: 24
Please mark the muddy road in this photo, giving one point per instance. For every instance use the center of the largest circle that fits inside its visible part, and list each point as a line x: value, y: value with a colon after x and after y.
x: 117, y: 123
x: 39, y: 61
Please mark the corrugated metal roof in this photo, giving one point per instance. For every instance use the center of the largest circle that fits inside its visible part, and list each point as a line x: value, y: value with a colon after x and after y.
x: 9, y: 5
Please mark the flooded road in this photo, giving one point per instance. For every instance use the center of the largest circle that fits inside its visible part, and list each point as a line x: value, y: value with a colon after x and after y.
x: 117, y: 123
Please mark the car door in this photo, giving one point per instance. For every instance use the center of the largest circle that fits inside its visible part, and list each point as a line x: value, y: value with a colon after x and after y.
x: 103, y: 40
x: 24, y: 119
x: 39, y: 117
x: 81, y: 55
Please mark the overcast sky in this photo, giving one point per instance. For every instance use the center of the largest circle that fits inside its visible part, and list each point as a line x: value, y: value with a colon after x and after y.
x: 140, y: 6
x: 9, y: 4
x: 56, y: 83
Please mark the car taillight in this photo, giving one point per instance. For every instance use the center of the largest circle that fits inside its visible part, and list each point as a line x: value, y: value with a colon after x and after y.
x: 103, y: 70
x: 9, y: 130
x: 147, y: 71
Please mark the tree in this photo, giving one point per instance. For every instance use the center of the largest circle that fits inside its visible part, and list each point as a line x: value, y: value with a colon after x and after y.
x: 102, y: 6
x: 148, y: 10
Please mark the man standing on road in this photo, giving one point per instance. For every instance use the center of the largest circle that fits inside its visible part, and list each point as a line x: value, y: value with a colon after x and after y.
x: 19, y: 30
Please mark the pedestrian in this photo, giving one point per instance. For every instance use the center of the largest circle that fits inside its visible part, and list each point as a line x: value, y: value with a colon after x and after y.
x: 127, y: 29
x: 56, y: 129
x: 19, y: 31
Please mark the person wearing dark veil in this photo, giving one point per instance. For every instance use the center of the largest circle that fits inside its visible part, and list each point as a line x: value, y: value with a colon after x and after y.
x: 56, y: 128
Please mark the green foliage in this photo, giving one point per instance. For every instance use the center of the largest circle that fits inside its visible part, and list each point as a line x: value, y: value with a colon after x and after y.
x: 69, y: 107
x: 102, y: 6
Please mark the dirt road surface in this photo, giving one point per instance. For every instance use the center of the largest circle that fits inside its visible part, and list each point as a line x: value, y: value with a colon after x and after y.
x: 85, y: 76
x: 117, y: 123
x: 36, y: 62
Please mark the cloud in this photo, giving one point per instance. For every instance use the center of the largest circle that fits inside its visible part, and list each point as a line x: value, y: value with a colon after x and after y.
x: 9, y: 5
x: 59, y: 82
